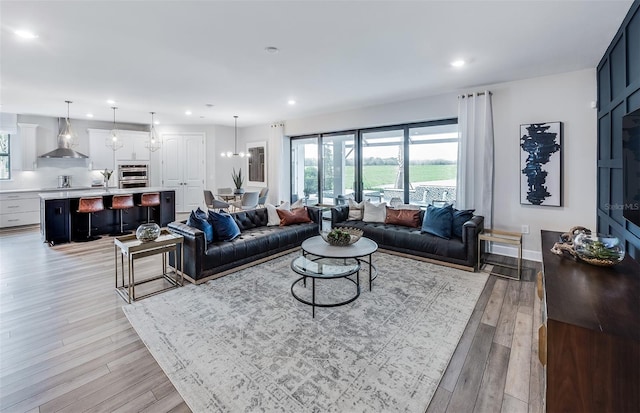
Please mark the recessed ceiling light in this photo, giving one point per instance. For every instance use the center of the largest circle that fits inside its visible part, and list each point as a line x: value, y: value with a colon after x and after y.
x: 291, y: 102
x: 89, y: 115
x: 188, y: 113
x: 26, y: 34
x: 156, y: 122
x: 271, y: 49
x: 111, y: 101
x: 458, y: 63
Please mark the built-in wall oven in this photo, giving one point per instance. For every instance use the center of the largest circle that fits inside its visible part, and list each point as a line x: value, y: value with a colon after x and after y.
x: 133, y: 175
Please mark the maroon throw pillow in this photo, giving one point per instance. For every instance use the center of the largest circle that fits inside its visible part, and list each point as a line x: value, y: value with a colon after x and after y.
x: 295, y: 216
x: 405, y: 217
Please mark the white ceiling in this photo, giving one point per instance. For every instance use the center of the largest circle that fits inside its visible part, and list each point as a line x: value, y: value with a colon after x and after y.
x: 170, y: 56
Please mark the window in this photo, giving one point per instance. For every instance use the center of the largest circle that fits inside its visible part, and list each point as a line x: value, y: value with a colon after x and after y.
x: 5, y: 165
x: 414, y: 163
x: 433, y: 163
x: 304, y: 170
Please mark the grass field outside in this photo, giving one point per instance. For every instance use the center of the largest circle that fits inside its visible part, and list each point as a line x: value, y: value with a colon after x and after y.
x: 381, y: 176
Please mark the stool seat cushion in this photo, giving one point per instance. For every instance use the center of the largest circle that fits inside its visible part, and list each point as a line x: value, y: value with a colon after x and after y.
x: 122, y: 202
x: 88, y: 205
x: 150, y: 199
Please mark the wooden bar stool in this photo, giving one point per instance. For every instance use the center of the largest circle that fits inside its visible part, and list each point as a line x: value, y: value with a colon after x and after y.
x: 122, y: 202
x: 89, y: 206
x: 149, y: 200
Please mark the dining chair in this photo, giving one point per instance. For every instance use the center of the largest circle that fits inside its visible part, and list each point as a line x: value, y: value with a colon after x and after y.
x: 262, y: 196
x: 249, y: 201
x: 213, y: 203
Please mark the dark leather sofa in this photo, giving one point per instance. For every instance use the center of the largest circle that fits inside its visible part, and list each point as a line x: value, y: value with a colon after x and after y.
x: 455, y: 252
x: 257, y: 242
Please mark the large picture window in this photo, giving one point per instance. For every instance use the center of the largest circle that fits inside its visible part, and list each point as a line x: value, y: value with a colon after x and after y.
x: 5, y: 165
x: 414, y: 163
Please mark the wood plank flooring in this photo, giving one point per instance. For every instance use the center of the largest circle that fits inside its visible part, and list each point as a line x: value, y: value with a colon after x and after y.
x: 66, y: 346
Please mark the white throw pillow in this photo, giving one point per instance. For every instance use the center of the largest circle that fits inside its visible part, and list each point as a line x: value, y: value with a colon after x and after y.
x: 297, y: 204
x: 272, y: 215
x: 355, y: 210
x: 374, y: 212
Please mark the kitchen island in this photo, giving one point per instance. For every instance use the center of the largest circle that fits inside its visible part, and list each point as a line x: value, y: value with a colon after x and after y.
x: 60, y: 223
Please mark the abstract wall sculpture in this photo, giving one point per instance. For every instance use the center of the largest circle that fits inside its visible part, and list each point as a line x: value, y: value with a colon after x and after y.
x: 541, y: 164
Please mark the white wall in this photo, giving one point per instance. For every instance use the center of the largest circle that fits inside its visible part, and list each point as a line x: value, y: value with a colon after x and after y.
x: 565, y: 97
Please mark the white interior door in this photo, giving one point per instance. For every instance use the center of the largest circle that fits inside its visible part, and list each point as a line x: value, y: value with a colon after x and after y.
x: 183, y: 169
x: 193, y: 177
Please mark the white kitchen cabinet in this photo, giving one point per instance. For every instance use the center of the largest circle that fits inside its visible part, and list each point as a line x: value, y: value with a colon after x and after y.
x: 101, y: 156
x: 134, y: 146
x: 19, y: 208
x: 183, y: 169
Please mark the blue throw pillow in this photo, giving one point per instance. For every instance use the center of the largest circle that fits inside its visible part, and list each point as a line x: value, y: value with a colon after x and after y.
x: 459, y: 218
x: 198, y: 219
x: 224, y: 226
x: 437, y: 221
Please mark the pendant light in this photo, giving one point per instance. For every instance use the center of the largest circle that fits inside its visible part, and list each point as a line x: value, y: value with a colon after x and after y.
x: 153, y: 144
x: 113, y: 141
x: 235, y: 147
x: 67, y: 136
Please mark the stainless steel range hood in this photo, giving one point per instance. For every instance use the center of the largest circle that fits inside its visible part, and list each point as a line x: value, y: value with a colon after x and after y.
x: 63, y: 151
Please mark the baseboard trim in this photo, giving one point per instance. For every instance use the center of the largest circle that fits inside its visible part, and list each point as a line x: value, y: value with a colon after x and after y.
x: 431, y: 260
x: 510, y: 251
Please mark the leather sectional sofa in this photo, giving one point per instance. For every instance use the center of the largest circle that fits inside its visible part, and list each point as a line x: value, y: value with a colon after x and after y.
x: 257, y: 242
x: 455, y: 252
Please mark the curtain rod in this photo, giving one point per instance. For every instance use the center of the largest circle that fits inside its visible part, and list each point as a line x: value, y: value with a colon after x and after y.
x: 469, y: 95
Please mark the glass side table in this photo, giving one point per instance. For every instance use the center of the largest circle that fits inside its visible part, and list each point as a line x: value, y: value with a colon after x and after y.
x: 128, y: 246
x: 501, y: 237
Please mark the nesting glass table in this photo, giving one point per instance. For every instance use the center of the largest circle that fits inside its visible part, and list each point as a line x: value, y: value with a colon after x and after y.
x: 130, y: 247
x: 321, y: 261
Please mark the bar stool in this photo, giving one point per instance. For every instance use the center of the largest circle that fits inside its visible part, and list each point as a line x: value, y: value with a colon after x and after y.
x: 89, y: 206
x: 122, y: 202
x: 149, y: 200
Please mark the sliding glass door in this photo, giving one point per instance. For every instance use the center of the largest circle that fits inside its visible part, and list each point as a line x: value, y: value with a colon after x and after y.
x: 433, y: 164
x: 383, y: 165
x: 304, y: 169
x: 413, y: 163
x: 338, y: 165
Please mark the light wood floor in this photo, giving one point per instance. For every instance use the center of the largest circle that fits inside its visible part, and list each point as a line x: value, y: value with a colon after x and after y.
x: 65, y: 344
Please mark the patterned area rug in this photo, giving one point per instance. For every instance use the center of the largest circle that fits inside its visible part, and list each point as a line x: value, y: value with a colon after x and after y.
x: 242, y: 343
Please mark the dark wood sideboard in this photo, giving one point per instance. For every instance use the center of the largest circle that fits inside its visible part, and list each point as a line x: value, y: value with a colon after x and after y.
x: 591, y: 326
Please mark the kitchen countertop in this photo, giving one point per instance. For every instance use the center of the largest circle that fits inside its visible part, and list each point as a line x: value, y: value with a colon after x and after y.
x: 17, y: 191
x: 98, y: 192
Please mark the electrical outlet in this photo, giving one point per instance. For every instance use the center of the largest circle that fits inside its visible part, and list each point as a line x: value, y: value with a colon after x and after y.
x: 525, y: 229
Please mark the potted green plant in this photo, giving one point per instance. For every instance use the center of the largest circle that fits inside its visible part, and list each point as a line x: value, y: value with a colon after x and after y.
x: 238, y: 181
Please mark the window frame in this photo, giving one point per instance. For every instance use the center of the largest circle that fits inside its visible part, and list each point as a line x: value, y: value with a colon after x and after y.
x: 7, y: 155
x: 358, y: 137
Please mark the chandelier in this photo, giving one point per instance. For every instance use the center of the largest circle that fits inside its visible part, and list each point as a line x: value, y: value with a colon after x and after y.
x: 153, y: 144
x: 113, y: 141
x: 68, y: 136
x: 235, y: 147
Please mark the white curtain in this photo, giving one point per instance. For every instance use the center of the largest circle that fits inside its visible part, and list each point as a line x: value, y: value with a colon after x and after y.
x: 475, y: 155
x: 276, y: 171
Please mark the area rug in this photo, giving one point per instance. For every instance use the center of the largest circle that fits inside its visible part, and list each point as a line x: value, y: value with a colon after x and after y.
x: 242, y: 343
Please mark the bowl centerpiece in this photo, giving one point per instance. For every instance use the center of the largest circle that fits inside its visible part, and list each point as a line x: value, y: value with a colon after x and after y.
x: 341, y: 237
x: 148, y: 232
x: 601, y: 250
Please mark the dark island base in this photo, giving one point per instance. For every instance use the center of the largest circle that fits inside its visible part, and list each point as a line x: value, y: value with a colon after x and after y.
x: 63, y: 224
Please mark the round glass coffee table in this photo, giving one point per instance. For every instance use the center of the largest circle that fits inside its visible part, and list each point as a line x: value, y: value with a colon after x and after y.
x: 318, y: 268
x: 320, y: 260
x: 362, y: 251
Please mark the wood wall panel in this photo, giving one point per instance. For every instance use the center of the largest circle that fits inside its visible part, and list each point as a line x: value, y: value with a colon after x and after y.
x: 618, y: 94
